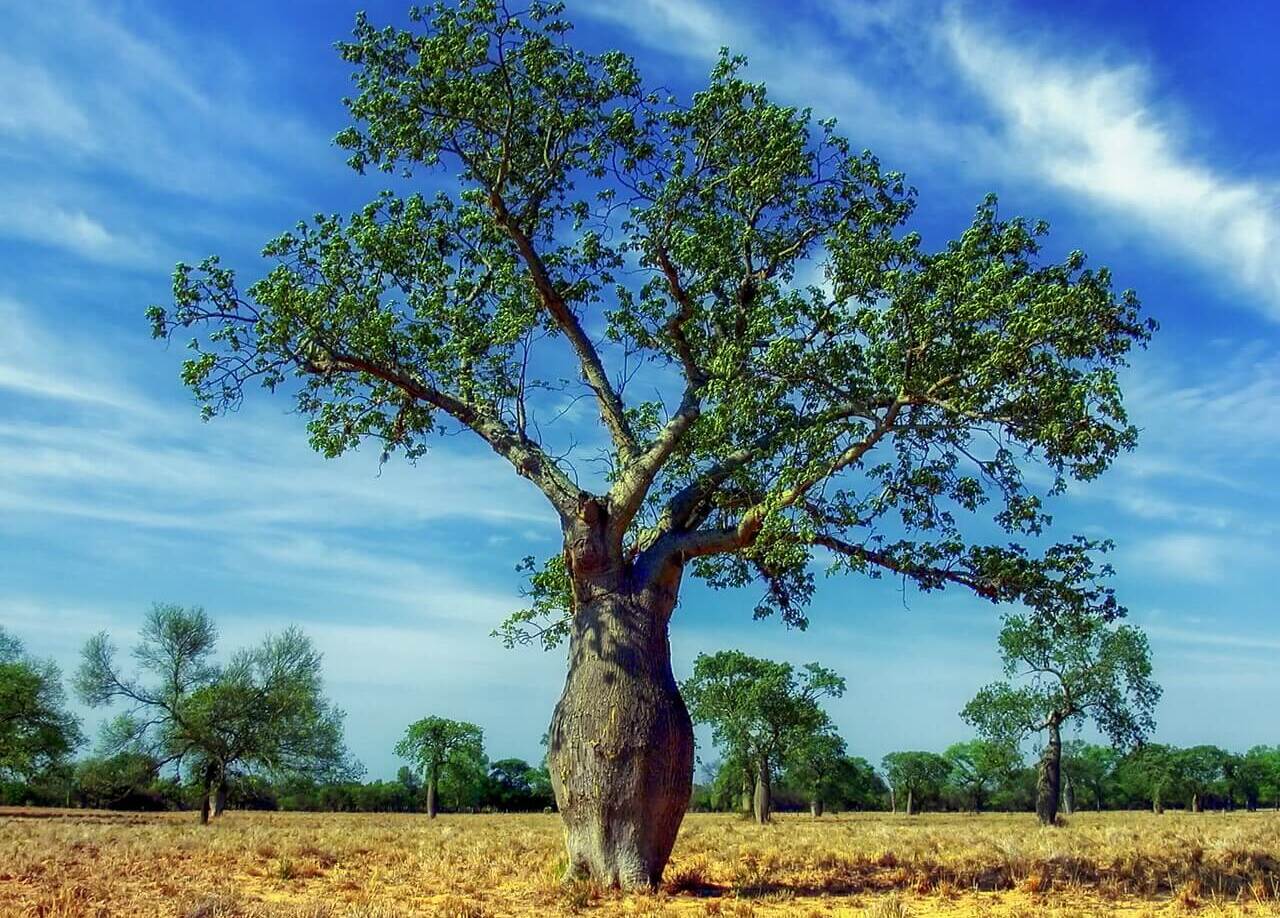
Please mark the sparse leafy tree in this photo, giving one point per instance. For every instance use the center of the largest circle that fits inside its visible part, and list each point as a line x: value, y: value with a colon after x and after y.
x: 37, y: 732
x: 914, y: 777
x: 264, y: 711
x: 978, y: 767
x: 670, y: 244
x: 441, y: 747
x: 1203, y: 770
x: 759, y: 710
x: 1062, y: 668
x: 1153, y: 772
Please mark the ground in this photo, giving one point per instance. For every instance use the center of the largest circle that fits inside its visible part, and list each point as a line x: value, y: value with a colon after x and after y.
x: 61, y: 863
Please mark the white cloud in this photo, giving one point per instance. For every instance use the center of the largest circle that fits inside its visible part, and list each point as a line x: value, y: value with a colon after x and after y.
x: 1093, y: 128
x: 1187, y: 556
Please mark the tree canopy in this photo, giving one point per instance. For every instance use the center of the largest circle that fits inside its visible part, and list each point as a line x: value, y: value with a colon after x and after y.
x: 36, y: 729
x: 761, y: 711
x: 914, y: 776
x: 263, y: 711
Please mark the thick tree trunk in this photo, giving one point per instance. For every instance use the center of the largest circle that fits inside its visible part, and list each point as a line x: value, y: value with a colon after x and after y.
x: 910, y: 802
x: 432, y: 781
x: 1068, y: 795
x: 205, y: 794
x: 763, y: 801
x: 621, y: 742
x: 220, y: 797
x: 1049, y: 781
x: 816, y: 807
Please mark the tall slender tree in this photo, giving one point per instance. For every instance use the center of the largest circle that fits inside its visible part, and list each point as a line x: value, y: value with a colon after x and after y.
x: 778, y: 364
x: 1064, y: 668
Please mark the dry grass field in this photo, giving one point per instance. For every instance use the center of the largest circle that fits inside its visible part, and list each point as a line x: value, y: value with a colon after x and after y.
x: 55, y: 864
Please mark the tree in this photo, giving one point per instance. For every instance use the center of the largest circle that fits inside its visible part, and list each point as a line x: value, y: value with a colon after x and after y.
x: 760, y: 711
x: 668, y: 244
x: 264, y: 711
x: 814, y: 767
x: 858, y: 786
x: 978, y: 767
x: 1153, y: 772
x: 1090, y: 768
x: 37, y: 732
x: 1063, y: 667
x: 1203, y: 769
x: 439, y: 746
x: 1258, y: 776
x: 915, y: 776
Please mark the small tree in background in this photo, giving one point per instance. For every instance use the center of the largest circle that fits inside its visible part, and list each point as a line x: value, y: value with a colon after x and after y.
x: 978, y: 767
x: 37, y: 732
x: 759, y: 710
x: 1066, y: 668
x: 1090, y: 768
x: 439, y: 747
x: 1203, y: 770
x: 914, y: 777
x: 813, y: 766
x: 1153, y: 772
x: 264, y: 711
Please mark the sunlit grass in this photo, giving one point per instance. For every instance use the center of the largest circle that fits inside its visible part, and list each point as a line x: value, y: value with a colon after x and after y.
x: 252, y: 865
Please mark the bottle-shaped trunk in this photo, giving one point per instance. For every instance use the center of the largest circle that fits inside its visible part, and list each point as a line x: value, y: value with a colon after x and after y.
x: 621, y: 742
x: 762, y: 806
x: 1049, y: 779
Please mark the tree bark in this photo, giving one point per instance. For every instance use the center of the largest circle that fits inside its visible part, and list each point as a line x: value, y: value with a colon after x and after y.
x: 910, y: 802
x: 1068, y: 795
x: 220, y: 797
x: 893, y: 800
x: 763, y: 802
x: 816, y: 807
x: 1049, y: 781
x: 206, y: 791
x: 432, y: 781
x: 621, y: 741
x: 1196, y: 806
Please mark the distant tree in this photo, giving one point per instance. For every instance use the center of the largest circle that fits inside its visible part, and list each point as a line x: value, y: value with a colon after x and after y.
x: 515, y: 786
x: 123, y: 781
x: 1257, y: 776
x: 37, y: 732
x: 813, y: 766
x: 262, y: 712
x: 1203, y: 770
x: 590, y: 228
x: 914, y: 777
x: 1153, y: 772
x: 860, y: 785
x: 1089, y: 768
x: 759, y: 710
x: 978, y: 767
x: 1063, y: 668
x: 440, y: 747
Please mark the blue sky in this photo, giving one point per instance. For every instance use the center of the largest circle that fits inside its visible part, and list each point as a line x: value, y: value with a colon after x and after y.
x: 136, y: 134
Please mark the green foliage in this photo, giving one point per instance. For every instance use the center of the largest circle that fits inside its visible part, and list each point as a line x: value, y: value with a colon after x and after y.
x: 979, y: 767
x: 262, y: 712
x: 759, y: 710
x: 37, y: 732
x: 1092, y: 770
x: 1062, y: 669
x: 441, y: 748
x: 918, y: 774
x: 840, y: 387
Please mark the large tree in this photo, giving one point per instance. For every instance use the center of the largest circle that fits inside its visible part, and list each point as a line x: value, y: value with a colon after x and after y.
x: 779, y: 366
x: 37, y: 731
x: 439, y: 747
x: 1063, y: 668
x: 760, y: 711
x: 263, y: 711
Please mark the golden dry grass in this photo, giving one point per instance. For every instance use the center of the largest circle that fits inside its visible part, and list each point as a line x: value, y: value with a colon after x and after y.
x: 55, y: 864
